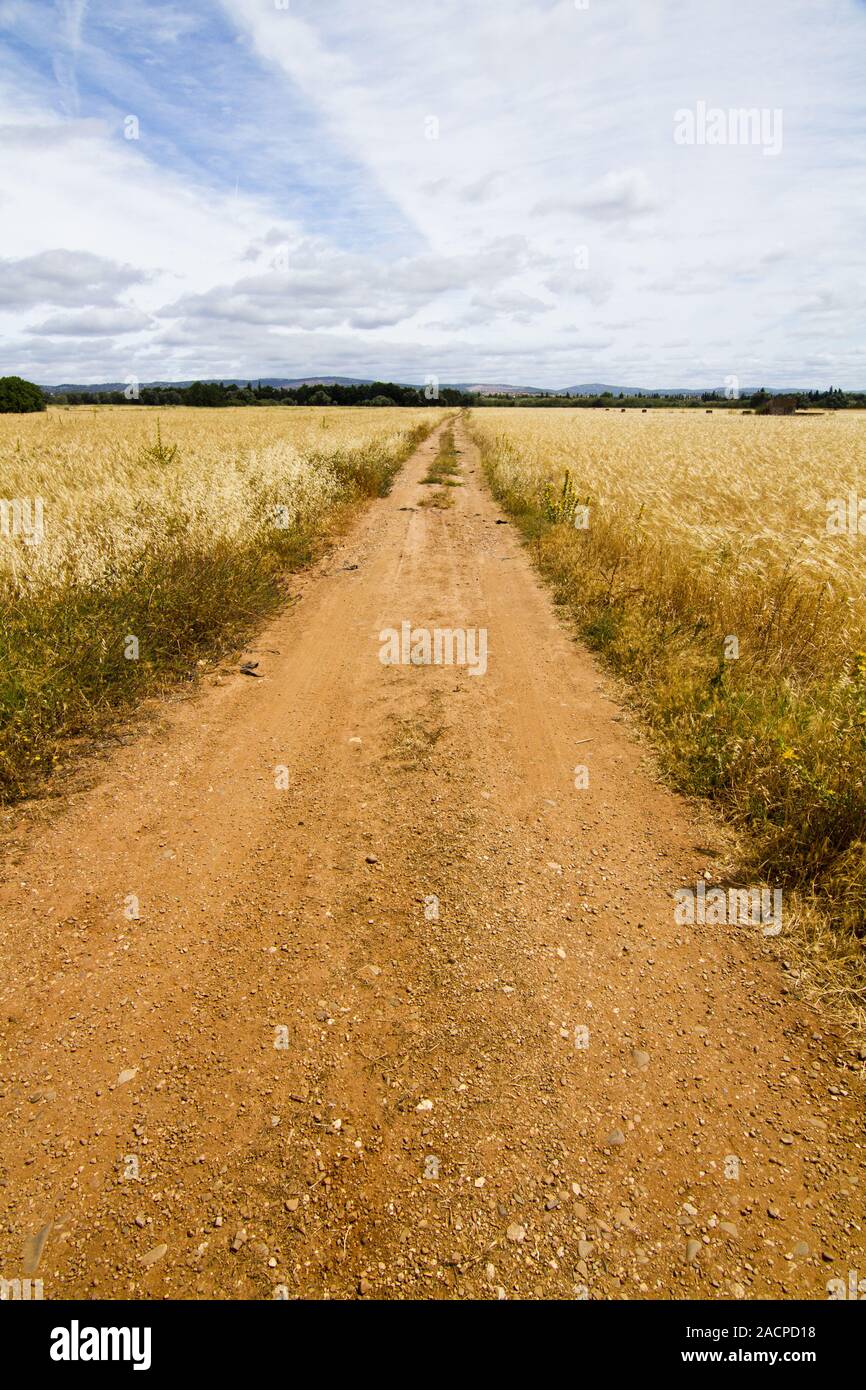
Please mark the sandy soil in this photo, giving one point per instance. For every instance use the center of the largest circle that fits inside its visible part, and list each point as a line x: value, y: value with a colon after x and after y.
x: 290, y: 1077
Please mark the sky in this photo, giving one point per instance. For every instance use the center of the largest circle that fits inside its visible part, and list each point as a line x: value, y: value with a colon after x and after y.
x: 542, y: 192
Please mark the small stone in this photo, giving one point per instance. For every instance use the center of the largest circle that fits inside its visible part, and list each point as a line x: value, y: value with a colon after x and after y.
x: 516, y: 1233
x: 128, y: 1075
x: 615, y: 1140
x: 584, y: 1249
x: 371, y: 859
x: 240, y: 1240
x: 34, y: 1245
x: 641, y: 1059
x: 801, y: 1250
x: 364, y: 1287
x: 292, y: 1204
x: 153, y: 1256
x: 693, y: 1249
x: 424, y: 1105
x: 729, y: 1229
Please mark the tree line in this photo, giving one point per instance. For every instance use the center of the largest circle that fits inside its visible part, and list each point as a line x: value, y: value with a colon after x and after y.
x: 19, y: 396
x: 217, y: 393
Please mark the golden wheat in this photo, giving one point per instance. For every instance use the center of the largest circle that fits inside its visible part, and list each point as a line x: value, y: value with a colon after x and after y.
x: 108, y: 495
x: 750, y: 487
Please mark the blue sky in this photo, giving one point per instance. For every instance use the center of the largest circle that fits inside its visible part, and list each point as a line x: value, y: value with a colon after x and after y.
x: 487, y: 192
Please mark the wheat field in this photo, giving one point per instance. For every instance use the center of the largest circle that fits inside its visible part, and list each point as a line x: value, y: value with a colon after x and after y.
x: 736, y: 490
x: 703, y: 555
x: 137, y: 544
x: 117, y: 482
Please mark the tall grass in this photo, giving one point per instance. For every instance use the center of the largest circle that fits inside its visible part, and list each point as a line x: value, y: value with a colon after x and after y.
x: 695, y: 539
x: 178, y: 532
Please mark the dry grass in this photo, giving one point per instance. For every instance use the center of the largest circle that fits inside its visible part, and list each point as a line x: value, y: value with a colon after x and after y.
x: 703, y: 528
x: 176, y: 527
x: 442, y: 474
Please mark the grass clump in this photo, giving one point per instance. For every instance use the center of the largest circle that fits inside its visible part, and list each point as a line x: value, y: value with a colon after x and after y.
x: 444, y: 470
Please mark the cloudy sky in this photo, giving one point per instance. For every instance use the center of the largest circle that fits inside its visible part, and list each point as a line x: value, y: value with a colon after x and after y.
x: 484, y: 190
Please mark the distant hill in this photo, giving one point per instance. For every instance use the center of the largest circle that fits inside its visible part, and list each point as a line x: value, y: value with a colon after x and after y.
x: 287, y: 383
x: 598, y: 388
x: 595, y: 388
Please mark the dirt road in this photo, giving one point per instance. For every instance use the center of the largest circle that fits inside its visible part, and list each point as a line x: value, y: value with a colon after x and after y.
x: 294, y: 1075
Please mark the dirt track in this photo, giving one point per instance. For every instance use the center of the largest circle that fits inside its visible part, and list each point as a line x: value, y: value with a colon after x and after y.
x: 297, y: 917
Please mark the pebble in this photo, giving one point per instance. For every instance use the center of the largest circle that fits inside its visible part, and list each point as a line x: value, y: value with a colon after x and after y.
x: 516, y: 1233
x: 153, y: 1256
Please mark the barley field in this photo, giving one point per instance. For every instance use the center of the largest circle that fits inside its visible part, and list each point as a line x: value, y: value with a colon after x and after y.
x: 703, y: 554
x: 172, y: 527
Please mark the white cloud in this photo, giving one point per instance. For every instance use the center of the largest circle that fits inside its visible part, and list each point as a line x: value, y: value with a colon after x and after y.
x: 63, y: 277
x: 93, y: 323
x: 617, y: 196
x: 555, y: 136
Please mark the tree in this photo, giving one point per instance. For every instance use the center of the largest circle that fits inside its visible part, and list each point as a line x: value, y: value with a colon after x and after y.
x: 19, y: 397
x: 320, y: 398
